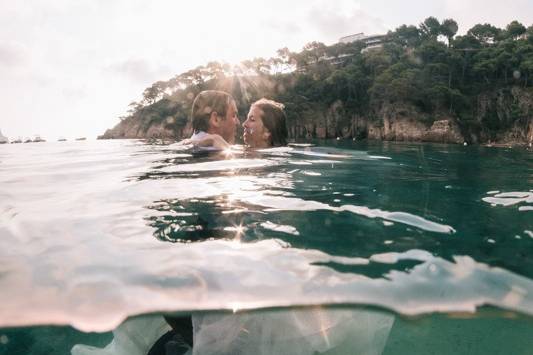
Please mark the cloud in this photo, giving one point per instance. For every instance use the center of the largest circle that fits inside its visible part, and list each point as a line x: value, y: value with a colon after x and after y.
x: 334, y: 20
x: 138, y: 70
x: 75, y: 93
x: 497, y: 13
x: 12, y: 54
x: 282, y: 26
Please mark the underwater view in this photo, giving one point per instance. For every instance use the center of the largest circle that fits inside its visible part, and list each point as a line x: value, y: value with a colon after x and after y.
x: 335, y: 247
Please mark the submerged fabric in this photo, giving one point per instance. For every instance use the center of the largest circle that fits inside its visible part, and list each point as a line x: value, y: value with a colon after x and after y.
x: 294, y: 332
x: 291, y: 332
x: 199, y: 135
x: 133, y: 337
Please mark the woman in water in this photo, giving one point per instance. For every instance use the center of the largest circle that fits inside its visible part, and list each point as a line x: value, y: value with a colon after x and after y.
x: 265, y: 125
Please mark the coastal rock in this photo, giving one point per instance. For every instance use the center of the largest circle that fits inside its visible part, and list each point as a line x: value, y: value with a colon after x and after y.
x: 406, y: 124
x: 506, y: 116
x: 135, y: 129
x: 3, y: 139
x: 445, y: 130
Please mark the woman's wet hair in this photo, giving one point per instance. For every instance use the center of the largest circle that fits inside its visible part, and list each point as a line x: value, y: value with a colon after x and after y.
x: 274, y: 119
x: 205, y: 103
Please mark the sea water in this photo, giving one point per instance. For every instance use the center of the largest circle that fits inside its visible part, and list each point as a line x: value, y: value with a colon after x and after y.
x: 394, y: 248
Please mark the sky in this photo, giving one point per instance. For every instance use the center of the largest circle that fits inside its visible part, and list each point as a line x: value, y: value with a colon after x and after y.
x: 70, y: 68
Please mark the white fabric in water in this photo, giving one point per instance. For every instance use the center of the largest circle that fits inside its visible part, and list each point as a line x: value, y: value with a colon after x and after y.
x: 289, y: 332
x: 199, y: 135
x: 133, y: 337
x: 293, y: 332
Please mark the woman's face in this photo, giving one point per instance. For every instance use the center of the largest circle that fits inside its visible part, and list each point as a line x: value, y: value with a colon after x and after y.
x: 256, y: 135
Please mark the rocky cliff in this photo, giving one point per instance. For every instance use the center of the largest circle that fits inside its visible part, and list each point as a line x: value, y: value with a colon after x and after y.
x: 503, y: 116
x: 135, y: 128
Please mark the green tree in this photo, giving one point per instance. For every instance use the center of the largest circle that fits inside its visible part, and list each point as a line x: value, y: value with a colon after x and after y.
x: 154, y: 93
x: 448, y: 29
x: 485, y: 33
x: 430, y: 28
x: 514, y: 30
x: 485, y: 64
x: 529, y: 34
x: 407, y: 36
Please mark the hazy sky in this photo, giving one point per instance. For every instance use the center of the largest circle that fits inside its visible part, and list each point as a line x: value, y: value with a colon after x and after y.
x: 70, y: 68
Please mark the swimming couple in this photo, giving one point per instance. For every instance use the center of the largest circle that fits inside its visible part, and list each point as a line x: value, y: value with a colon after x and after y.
x: 214, y: 122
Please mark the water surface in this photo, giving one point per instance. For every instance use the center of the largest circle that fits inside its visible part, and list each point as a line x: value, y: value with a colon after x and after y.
x: 95, y: 232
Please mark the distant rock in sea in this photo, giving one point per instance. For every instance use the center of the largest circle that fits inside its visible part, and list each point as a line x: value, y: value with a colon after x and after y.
x: 3, y: 139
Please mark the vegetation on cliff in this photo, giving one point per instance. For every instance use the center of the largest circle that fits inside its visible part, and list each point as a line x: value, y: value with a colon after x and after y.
x: 424, y: 82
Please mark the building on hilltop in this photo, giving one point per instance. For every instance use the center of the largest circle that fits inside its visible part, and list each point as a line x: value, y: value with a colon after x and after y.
x: 371, y: 42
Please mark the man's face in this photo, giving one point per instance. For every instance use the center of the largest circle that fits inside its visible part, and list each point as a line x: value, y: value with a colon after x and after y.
x: 228, y: 126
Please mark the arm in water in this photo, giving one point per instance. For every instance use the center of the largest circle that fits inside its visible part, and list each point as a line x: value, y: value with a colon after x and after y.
x: 208, y: 140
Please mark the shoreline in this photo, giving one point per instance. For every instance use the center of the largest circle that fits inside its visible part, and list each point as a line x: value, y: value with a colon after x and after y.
x: 525, y: 145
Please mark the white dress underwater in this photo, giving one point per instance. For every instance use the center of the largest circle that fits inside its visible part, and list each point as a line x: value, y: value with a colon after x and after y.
x: 302, y: 331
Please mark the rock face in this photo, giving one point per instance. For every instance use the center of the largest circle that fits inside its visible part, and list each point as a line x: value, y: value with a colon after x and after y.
x: 132, y: 128
x: 394, y: 123
x: 506, y: 116
x: 407, y: 124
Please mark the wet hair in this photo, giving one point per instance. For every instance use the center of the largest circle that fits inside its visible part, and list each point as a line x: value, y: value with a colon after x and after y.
x: 274, y: 119
x: 207, y: 102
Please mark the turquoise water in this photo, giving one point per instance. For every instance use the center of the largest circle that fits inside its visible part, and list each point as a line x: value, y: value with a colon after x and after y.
x: 437, y: 237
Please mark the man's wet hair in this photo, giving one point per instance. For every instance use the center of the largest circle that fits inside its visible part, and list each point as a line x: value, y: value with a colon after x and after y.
x: 207, y: 102
x: 274, y: 119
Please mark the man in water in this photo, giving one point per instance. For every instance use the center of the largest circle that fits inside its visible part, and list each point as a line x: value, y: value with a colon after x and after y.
x: 214, y: 120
